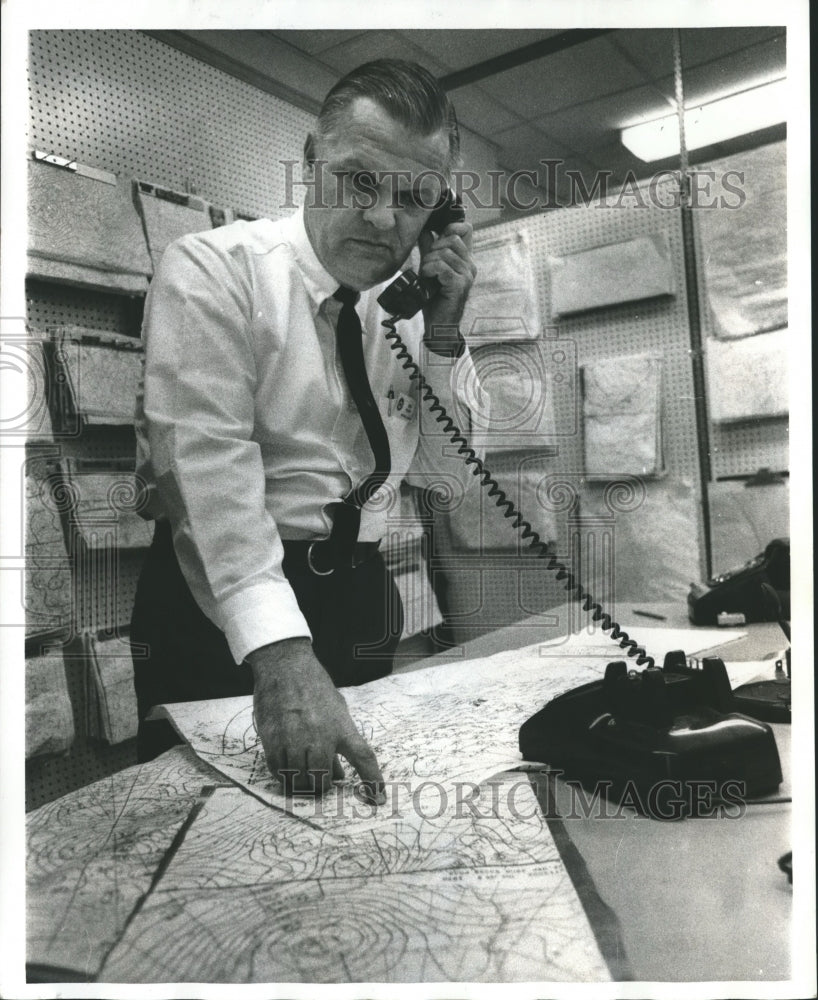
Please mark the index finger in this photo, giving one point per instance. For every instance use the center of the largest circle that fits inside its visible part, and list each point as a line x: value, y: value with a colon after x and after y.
x: 454, y: 241
x: 452, y: 236
x: 464, y: 230
x: 361, y: 756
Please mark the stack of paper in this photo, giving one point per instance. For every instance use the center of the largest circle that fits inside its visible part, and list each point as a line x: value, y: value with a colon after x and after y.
x: 113, y: 711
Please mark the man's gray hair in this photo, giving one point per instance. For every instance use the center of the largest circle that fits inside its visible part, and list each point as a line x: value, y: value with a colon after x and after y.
x: 405, y: 90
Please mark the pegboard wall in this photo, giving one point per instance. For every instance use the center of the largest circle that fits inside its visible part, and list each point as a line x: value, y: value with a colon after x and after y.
x: 124, y: 102
x: 127, y: 103
x: 50, y: 305
x: 741, y: 449
x: 652, y: 326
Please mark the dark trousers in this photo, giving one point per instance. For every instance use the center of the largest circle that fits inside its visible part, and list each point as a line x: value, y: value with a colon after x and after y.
x: 355, y: 616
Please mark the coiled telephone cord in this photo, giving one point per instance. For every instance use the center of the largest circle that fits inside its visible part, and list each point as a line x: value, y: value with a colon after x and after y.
x: 507, y: 506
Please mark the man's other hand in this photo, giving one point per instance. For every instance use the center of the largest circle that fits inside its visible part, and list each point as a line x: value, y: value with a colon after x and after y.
x: 303, y: 722
x: 448, y: 258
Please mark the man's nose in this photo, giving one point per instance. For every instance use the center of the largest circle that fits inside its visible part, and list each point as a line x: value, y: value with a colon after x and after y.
x: 381, y: 214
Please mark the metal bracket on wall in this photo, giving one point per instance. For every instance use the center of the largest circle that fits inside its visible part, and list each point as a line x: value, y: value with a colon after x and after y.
x: 82, y: 169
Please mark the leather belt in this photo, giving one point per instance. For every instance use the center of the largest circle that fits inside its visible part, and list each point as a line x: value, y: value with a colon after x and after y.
x: 321, y: 557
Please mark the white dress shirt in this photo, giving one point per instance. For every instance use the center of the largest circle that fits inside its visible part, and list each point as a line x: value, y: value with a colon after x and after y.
x: 246, y: 430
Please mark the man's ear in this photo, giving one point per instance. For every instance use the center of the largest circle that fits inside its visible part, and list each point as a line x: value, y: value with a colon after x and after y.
x: 309, y: 151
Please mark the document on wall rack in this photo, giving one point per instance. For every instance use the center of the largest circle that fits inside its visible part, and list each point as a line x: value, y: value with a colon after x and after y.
x: 47, y: 595
x: 503, y: 304
x: 622, y: 417
x: 748, y: 379
x: 85, y: 230
x: 103, y: 382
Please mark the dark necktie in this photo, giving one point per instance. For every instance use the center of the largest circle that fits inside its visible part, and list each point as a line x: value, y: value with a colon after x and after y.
x: 347, y: 514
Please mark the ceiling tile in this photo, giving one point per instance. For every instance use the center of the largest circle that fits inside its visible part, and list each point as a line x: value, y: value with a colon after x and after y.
x: 461, y: 48
x: 562, y: 185
x: 596, y: 123
x: 590, y: 186
x: 581, y: 72
x: 316, y: 42
x: 701, y: 45
x: 477, y: 109
x: 652, y: 48
x: 378, y: 45
x: 526, y: 137
x: 734, y: 72
x: 619, y: 161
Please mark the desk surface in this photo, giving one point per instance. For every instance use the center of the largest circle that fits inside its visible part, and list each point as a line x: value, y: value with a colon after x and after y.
x: 694, y: 900
x: 760, y: 640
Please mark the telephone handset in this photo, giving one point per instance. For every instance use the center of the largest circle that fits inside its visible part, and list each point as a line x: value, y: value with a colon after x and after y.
x: 408, y: 293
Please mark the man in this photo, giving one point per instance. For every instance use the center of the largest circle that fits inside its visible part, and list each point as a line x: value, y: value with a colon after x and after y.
x: 253, y: 438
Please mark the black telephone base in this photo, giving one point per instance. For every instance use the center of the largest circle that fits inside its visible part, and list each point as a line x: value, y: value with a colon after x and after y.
x: 658, y: 732
x: 759, y: 590
x: 767, y: 700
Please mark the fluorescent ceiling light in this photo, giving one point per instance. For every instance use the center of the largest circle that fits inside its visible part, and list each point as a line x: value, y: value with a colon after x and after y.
x: 709, y: 123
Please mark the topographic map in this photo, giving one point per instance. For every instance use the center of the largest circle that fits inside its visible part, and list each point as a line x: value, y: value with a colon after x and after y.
x: 433, y: 730
x: 93, y: 853
x: 167, y: 872
x: 254, y: 895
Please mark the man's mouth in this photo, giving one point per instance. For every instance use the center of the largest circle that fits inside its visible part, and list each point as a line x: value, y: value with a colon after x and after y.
x: 370, y: 246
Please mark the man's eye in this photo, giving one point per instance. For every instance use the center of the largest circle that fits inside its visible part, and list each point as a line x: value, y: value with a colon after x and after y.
x: 364, y: 180
x: 407, y: 199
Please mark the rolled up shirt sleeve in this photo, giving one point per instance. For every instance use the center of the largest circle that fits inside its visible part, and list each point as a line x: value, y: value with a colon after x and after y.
x: 197, y: 414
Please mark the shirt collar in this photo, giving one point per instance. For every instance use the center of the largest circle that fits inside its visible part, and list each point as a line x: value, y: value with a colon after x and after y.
x: 319, y: 283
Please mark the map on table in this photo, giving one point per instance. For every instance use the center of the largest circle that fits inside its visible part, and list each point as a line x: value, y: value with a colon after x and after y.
x: 91, y: 855
x: 447, y: 882
x: 253, y: 895
x: 434, y: 731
